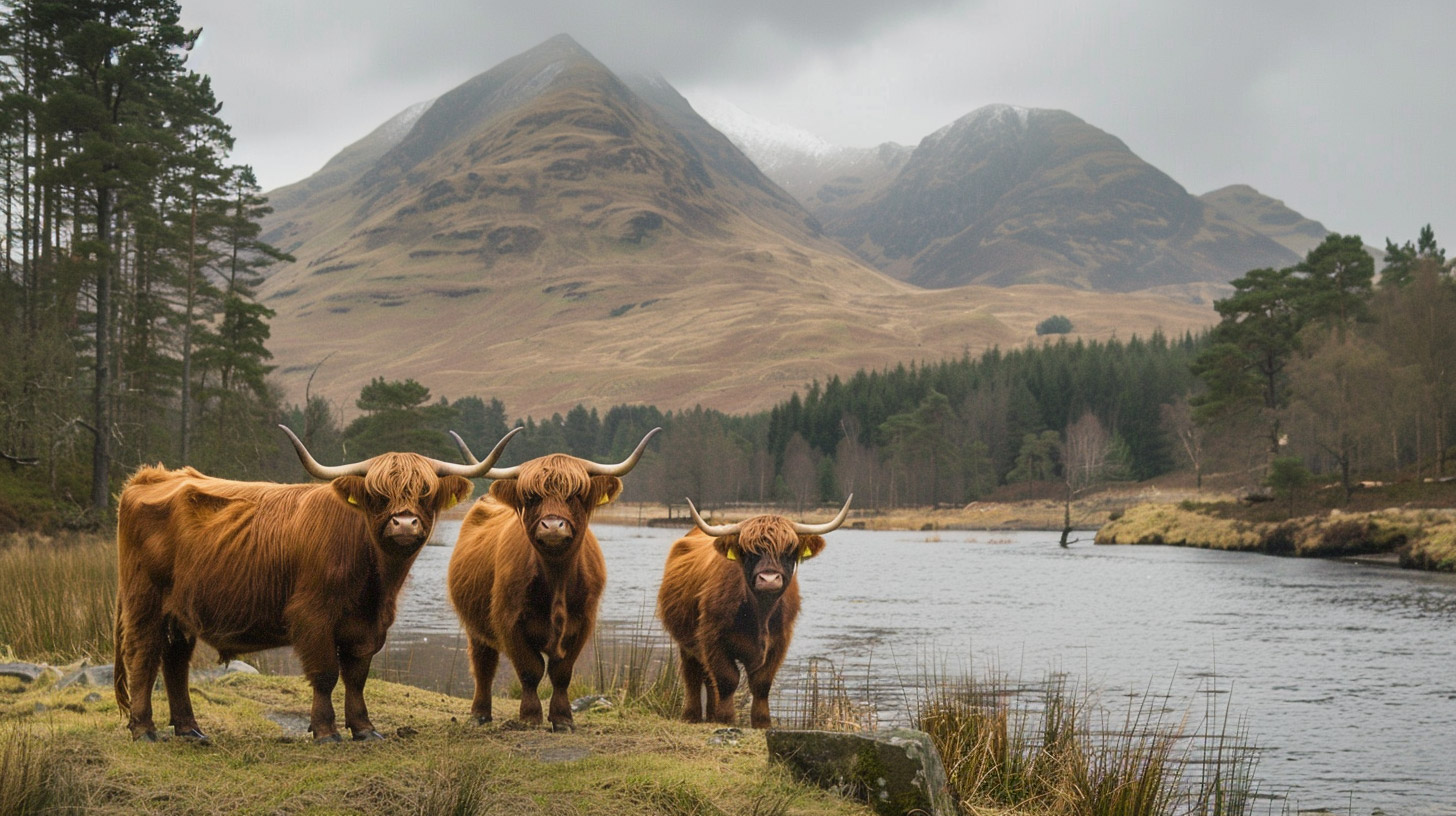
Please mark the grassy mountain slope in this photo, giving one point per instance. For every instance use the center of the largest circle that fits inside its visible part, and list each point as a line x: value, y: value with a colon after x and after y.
x: 1009, y: 195
x: 1268, y: 216
x: 546, y: 235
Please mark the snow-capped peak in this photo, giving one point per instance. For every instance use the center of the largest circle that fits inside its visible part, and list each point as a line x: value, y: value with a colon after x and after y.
x: 768, y: 143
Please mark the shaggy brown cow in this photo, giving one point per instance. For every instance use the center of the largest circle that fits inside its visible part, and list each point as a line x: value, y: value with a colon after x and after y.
x: 253, y: 565
x: 527, y: 574
x: 729, y: 596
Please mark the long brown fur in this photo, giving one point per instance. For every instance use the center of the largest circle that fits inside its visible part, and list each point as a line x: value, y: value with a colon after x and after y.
x: 536, y: 604
x: 245, y: 566
x: 718, y: 622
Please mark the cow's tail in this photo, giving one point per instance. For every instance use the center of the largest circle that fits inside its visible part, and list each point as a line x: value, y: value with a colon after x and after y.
x: 123, y: 697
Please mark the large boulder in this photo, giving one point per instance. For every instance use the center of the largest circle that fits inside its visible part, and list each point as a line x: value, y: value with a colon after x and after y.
x: 85, y: 674
x: 27, y: 672
x: 896, y: 772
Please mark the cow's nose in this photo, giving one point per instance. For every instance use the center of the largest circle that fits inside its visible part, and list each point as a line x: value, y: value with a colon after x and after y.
x: 403, y: 526
x: 767, y: 580
x: 552, y: 530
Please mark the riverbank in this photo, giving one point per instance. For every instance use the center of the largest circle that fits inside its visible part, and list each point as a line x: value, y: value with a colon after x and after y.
x: 71, y: 750
x: 1412, y: 538
x: 1038, y: 512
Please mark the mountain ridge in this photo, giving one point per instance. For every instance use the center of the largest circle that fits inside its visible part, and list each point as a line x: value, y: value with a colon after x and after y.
x: 1007, y: 194
x: 596, y: 241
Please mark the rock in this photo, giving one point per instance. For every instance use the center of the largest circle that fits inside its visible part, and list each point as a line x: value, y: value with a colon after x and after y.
x: 726, y: 736
x: 213, y: 673
x: 895, y: 772
x: 93, y: 697
x: 594, y: 702
x: 88, y: 675
x: 27, y: 672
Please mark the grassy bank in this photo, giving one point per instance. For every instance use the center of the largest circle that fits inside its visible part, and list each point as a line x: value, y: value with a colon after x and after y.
x: 1004, y: 511
x: 1422, y: 539
x: 70, y: 754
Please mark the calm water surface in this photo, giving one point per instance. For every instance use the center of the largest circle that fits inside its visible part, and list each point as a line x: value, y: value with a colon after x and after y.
x: 1345, y: 674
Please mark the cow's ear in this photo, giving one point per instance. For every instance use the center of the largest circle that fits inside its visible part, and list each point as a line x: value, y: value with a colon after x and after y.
x: 453, y: 490
x: 727, y: 546
x: 506, y: 493
x: 351, y: 490
x: 810, y: 546
x: 604, y: 490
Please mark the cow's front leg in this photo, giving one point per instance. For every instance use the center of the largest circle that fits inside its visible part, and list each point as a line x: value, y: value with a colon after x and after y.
x: 723, y: 679
x: 529, y: 669
x: 560, y: 671
x: 483, y: 662
x: 760, y: 681
x: 693, y: 681
x: 320, y: 658
x: 355, y: 671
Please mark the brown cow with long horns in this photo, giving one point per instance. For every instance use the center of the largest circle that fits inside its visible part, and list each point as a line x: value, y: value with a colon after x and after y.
x: 729, y: 596
x: 253, y: 565
x: 527, y: 575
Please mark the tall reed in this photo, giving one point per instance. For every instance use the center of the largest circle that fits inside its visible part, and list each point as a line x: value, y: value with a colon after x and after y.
x: 1051, y: 748
x: 30, y: 774
x: 60, y: 596
x: 637, y: 667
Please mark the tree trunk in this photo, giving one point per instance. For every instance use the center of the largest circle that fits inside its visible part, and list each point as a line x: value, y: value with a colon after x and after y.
x: 101, y: 407
x: 187, y: 335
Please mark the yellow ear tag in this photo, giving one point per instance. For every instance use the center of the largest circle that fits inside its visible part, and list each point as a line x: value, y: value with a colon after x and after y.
x: 807, y: 553
x: 450, y: 502
x: 603, y: 500
x: 732, y: 555
x: 352, y: 500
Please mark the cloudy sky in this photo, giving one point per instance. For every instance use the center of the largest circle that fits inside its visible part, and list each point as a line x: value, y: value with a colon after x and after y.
x: 1345, y: 109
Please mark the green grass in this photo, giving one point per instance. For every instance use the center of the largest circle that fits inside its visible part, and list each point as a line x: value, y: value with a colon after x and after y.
x: 623, y: 761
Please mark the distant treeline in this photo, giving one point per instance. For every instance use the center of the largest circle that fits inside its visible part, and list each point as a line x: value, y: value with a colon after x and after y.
x: 947, y: 432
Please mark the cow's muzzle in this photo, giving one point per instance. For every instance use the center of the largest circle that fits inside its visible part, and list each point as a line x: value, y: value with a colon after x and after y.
x: 768, y: 581
x: 553, y: 531
x: 404, y: 529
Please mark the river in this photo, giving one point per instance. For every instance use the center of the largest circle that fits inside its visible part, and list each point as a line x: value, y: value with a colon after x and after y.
x: 1344, y: 675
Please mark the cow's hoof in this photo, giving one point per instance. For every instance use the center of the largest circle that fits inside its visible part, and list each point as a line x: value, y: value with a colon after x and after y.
x: 148, y: 736
x: 564, y: 726
x: 334, y: 737
x: 192, y: 734
x: 480, y: 719
x: 367, y: 735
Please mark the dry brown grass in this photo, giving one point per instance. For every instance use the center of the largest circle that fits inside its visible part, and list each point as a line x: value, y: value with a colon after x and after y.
x: 59, y: 595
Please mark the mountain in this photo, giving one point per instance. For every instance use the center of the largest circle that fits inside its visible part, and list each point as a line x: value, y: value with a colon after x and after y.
x: 549, y: 233
x: 828, y: 178
x: 1008, y: 195
x: 1267, y: 216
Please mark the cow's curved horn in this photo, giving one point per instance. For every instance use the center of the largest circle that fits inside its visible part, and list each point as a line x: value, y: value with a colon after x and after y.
x: 827, y: 527
x: 625, y: 466
x: 714, y: 531
x: 476, y: 468
x: 319, y: 471
x: 491, y: 473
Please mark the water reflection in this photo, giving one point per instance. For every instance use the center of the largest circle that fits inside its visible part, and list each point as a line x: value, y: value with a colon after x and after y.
x: 1343, y: 672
